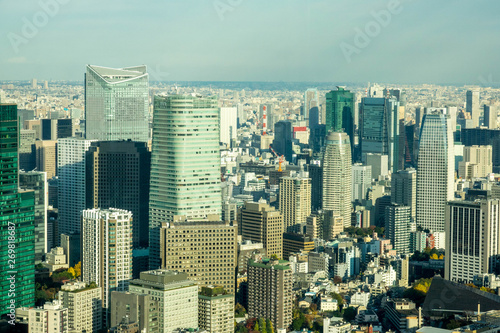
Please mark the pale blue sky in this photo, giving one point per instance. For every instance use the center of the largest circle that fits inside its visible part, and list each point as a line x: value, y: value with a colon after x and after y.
x: 444, y: 41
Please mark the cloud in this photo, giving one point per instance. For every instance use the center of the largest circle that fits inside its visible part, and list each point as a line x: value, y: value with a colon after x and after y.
x: 17, y: 60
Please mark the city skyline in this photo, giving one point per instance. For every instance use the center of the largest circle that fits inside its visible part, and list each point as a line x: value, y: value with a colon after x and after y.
x: 250, y: 41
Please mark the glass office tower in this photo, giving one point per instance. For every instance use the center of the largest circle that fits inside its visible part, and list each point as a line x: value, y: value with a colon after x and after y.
x: 17, y: 240
x: 116, y: 104
x: 340, y: 112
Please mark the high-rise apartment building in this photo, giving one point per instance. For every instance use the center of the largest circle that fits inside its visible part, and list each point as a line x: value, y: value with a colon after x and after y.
x: 185, y: 162
x: 311, y: 100
x: 204, y: 248
x: 361, y: 180
x: 270, y: 296
x: 27, y: 140
x: 472, y: 238
x: 340, y: 112
x: 262, y: 223
x: 215, y: 310
x: 490, y: 116
x: 118, y: 176
x: 295, y: 200
x: 37, y: 182
x: 46, y: 157
x: 472, y: 106
x: 337, y: 177
x: 72, y: 183
x: 228, y: 125
x: 84, y: 306
x: 398, y: 227
x: 177, y: 298
x: 135, y: 308
x: 436, y: 169
x: 52, y: 317
x: 17, y: 240
x: 107, y: 251
x: 333, y: 224
x: 116, y: 103
x: 404, y: 190
x: 477, y: 162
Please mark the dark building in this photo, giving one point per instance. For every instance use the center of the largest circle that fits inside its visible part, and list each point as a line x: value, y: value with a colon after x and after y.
x: 340, y: 113
x: 64, y: 128
x: 283, y: 137
x: 295, y: 243
x: 410, y: 146
x: 53, y: 129
x: 316, y: 175
x: 317, y: 138
x: 481, y: 137
x: 71, y: 244
x: 118, y: 176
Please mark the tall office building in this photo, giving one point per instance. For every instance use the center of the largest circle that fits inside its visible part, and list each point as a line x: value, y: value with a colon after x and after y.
x: 404, y: 190
x: 185, y: 162
x: 490, y: 116
x: 84, y: 306
x: 261, y: 223
x: 472, y: 238
x: 215, y: 310
x: 436, y: 169
x: 472, y: 106
x: 177, y: 298
x: 311, y: 100
x: 72, y: 183
x: 361, y: 181
x: 46, y: 157
x: 337, y: 177
x: 270, y: 295
x: 26, y: 150
x: 477, y: 162
x: 37, y: 182
x: 118, y: 176
x: 116, y: 104
x: 340, y: 112
x: 16, y: 221
x: 398, y: 227
x: 53, y: 129
x: 283, y: 137
x: 316, y: 175
x: 107, y: 251
x: 204, y: 248
x: 140, y: 309
x: 380, y: 129
x: 228, y: 125
x: 295, y: 201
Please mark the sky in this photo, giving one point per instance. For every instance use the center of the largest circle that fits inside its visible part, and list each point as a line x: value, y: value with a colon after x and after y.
x: 386, y: 41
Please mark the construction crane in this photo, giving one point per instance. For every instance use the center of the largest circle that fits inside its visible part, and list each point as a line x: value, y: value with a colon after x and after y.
x: 281, y: 158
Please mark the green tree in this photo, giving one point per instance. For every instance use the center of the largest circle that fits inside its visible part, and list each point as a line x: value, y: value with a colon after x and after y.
x: 339, y: 298
x: 349, y: 314
x: 269, y: 325
x: 262, y: 325
x: 256, y: 327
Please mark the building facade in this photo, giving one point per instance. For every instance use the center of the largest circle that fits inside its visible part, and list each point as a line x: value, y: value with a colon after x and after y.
x: 215, y: 310
x: 295, y: 200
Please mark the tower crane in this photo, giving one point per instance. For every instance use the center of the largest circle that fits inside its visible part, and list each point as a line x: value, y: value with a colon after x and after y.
x: 281, y: 158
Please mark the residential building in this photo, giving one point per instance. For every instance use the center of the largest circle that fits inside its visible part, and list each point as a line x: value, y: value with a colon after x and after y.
x: 53, y: 317
x: 135, y: 308
x: 398, y: 227
x: 84, y: 306
x: 404, y: 190
x: 295, y: 243
x: 402, y: 314
x: 477, y: 162
x: 215, y: 310
x: 46, y: 157
x: 361, y: 181
x: 295, y: 200
x: 228, y: 125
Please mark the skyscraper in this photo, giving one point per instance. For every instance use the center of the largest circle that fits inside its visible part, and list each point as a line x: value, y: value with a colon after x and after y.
x: 472, y: 238
x: 477, y: 162
x: 283, y: 136
x: 436, y: 169
x: 380, y: 129
x: 295, y: 201
x: 72, y: 183
x: 472, y: 106
x: 16, y: 222
x: 404, y: 190
x: 397, y: 227
x: 361, y: 180
x: 340, y: 112
x: 337, y: 177
x: 228, y: 125
x: 490, y: 116
x: 46, y: 157
x: 185, y: 162
x: 37, y: 182
x: 316, y: 175
x: 118, y: 177
x: 116, y: 103
x: 107, y: 251
x: 311, y: 100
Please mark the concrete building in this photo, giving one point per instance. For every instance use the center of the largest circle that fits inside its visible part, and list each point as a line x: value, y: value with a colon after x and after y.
x: 379, y: 164
x: 53, y: 317
x: 398, y: 227
x: 404, y: 190
x: 215, y: 310
x: 84, y: 306
x: 228, y: 125
x: 185, y: 163
x: 296, y: 243
x: 295, y: 201
x: 107, y: 251
x: 490, y: 116
x: 262, y: 223
x: 361, y: 181
x: 116, y: 103
x: 71, y: 245
x: 337, y: 181
x: 435, y: 172
x: 402, y: 314
x: 135, y: 308
x: 55, y: 259
x: 330, y: 326
x: 472, y: 106
x: 318, y: 262
x: 270, y: 293
x: 477, y: 162
x: 205, y: 249
x: 333, y: 224
x: 177, y: 298
x: 46, y: 157
x: 472, y: 238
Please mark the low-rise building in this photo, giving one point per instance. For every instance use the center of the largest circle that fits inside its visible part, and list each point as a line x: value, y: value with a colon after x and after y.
x: 215, y: 310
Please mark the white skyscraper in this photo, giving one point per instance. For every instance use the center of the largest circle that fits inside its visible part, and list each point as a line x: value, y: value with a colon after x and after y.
x: 472, y: 106
x: 337, y: 177
x: 472, y: 238
x: 72, y: 180
x: 228, y: 125
x: 361, y: 180
x: 436, y: 169
x: 107, y: 250
x: 295, y: 201
x: 117, y: 103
